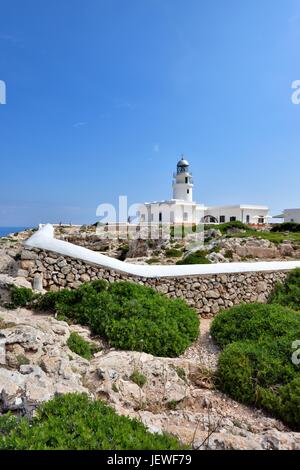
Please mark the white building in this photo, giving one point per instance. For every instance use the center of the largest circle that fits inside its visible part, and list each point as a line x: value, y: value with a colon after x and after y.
x: 181, y: 209
x: 248, y: 214
x: 289, y: 215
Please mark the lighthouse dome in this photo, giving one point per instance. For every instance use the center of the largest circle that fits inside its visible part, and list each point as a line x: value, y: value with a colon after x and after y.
x: 183, y: 162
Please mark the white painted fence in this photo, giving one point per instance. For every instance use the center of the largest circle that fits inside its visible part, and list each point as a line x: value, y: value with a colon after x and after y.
x: 44, y: 239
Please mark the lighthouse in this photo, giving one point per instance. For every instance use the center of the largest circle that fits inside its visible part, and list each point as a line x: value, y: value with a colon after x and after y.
x: 183, y: 182
x: 181, y: 209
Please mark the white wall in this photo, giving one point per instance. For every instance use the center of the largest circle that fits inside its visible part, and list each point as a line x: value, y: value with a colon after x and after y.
x: 239, y: 213
x: 44, y: 239
x: 181, y: 189
x: 292, y: 215
x: 172, y: 213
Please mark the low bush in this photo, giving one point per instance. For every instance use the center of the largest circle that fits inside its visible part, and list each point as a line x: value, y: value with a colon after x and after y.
x: 138, y: 378
x: 20, y: 297
x: 286, y: 227
x: 129, y: 316
x: 261, y: 373
x: 80, y: 346
x: 76, y: 422
x: 173, y: 253
x: 153, y: 261
x: 197, y: 257
x: 254, y: 321
x: 236, y: 224
x: 229, y: 226
x: 255, y: 366
x: 288, y: 293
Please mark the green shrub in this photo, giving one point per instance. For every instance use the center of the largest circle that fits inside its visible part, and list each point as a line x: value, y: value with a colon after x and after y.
x: 75, y: 422
x: 129, y: 316
x: 173, y: 253
x: 152, y: 260
x: 21, y: 296
x: 235, y: 225
x: 124, y: 251
x: 228, y: 254
x: 172, y: 404
x: 138, y: 378
x: 254, y: 321
x: 286, y: 227
x: 246, y: 365
x: 256, y: 364
x: 22, y: 360
x: 80, y: 346
x: 261, y: 373
x: 197, y: 257
x: 181, y: 373
x: 288, y: 293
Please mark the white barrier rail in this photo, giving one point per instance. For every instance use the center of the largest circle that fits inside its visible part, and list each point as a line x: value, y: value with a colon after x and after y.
x: 44, y: 239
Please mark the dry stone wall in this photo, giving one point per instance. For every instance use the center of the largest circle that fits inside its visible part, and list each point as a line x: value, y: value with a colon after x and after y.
x: 206, y: 293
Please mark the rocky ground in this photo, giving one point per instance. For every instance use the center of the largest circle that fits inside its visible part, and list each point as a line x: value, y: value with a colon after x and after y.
x: 218, y: 247
x: 178, y: 396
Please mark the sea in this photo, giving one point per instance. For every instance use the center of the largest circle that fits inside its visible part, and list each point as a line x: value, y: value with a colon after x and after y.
x: 6, y: 230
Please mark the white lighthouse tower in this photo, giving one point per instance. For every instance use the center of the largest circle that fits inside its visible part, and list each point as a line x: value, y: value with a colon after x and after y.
x: 181, y: 209
x: 183, y: 183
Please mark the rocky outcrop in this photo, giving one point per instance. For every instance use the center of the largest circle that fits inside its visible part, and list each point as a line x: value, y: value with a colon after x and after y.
x: 257, y: 249
x: 35, y: 363
x: 178, y: 395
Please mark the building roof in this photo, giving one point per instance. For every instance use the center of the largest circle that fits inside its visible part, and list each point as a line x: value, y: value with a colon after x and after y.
x: 183, y: 162
x: 240, y: 206
x: 173, y: 202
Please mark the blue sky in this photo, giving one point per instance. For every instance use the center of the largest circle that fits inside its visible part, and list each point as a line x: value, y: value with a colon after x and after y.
x: 104, y: 95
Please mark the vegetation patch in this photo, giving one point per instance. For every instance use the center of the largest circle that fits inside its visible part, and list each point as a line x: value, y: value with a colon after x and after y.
x: 286, y: 227
x: 138, y: 378
x: 22, y: 360
x: 181, y: 373
x: 129, y: 316
x: 80, y: 346
x: 234, y: 226
x: 256, y: 366
x: 76, y: 422
x: 197, y: 257
x: 254, y: 322
x: 172, y: 404
x: 288, y: 293
x: 21, y: 297
x: 173, y: 253
x: 153, y: 261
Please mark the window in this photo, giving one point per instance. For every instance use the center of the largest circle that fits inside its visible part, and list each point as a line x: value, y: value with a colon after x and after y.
x: 186, y: 179
x: 247, y: 219
x: 160, y: 216
x: 222, y: 219
x: 185, y: 216
x: 232, y: 219
x: 188, y: 191
x: 261, y: 220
